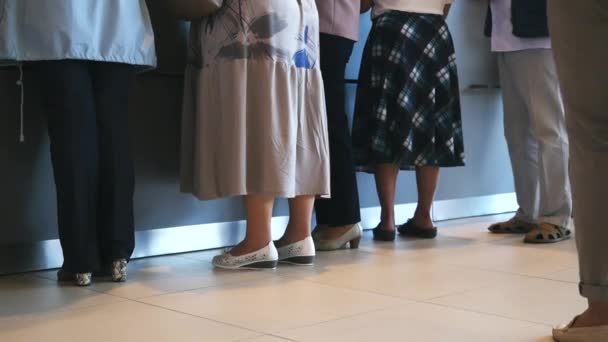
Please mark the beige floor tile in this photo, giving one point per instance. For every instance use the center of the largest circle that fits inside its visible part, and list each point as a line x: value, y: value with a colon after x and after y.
x: 155, y: 276
x: 267, y: 338
x: 511, y: 258
x: 416, y: 280
x: 126, y: 321
x: 476, y: 230
x: 274, y: 304
x: 477, y: 287
x: 570, y: 275
x: 530, y: 299
x: 344, y: 260
x: 567, y: 246
x: 417, y: 248
x: 422, y: 322
x: 25, y: 295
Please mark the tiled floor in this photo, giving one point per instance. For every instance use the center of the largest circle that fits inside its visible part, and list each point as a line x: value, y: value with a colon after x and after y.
x: 465, y: 286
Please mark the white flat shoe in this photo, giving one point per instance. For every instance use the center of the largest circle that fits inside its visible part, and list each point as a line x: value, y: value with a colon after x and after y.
x: 298, y: 253
x: 352, y: 237
x: 592, y: 334
x: 265, y: 258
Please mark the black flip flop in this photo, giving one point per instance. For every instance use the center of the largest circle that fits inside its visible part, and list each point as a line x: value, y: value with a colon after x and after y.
x: 409, y: 229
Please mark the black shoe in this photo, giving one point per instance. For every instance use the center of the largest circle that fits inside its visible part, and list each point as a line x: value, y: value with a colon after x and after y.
x: 409, y: 229
x: 383, y: 235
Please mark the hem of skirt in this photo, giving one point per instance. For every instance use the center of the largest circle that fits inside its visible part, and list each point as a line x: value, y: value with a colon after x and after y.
x: 594, y: 292
x: 277, y: 194
x: 370, y: 168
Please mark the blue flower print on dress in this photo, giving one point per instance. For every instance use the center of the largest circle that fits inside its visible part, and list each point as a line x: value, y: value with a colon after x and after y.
x: 301, y: 58
x: 246, y: 30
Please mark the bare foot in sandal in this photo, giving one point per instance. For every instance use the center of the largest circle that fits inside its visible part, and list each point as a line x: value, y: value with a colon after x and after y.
x: 548, y: 233
x: 512, y: 226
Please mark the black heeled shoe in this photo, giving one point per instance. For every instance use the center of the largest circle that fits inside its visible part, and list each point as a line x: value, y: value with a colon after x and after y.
x: 383, y: 235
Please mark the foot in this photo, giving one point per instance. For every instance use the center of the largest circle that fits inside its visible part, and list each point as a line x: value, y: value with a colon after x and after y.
x: 332, y: 233
x: 548, y: 233
x: 387, y: 225
x: 512, y: 226
x: 292, y: 235
x: 411, y: 229
x: 385, y: 231
x: 319, y: 229
x: 119, y: 270
x: 79, y: 279
x: 298, y: 253
x: 266, y: 257
x: 588, y: 327
x: 330, y: 239
x: 422, y: 221
x: 591, y: 318
x: 247, y: 246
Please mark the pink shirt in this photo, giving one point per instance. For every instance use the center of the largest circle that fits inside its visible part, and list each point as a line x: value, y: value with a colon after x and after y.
x: 503, y: 39
x: 339, y: 17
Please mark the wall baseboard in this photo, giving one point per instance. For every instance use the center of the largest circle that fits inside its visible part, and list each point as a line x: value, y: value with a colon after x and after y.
x: 47, y: 254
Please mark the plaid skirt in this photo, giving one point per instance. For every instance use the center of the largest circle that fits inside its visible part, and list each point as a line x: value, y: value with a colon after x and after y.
x: 408, y: 103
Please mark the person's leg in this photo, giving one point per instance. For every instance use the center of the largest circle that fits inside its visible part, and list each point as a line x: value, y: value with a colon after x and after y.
x: 427, y: 179
x: 116, y: 235
x: 259, y: 217
x: 579, y: 28
x: 342, y: 210
x: 522, y: 145
x: 386, y: 185
x: 543, y: 99
x: 300, y: 215
x: 68, y: 97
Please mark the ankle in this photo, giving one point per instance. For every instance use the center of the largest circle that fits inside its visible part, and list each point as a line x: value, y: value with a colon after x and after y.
x: 294, y: 234
x: 387, y: 224
x: 253, y: 244
x: 423, y: 218
x: 598, y: 309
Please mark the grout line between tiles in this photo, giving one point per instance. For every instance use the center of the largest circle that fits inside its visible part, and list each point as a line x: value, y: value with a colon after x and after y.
x: 228, y: 283
x: 200, y: 317
x: 338, y: 319
x: 487, y: 314
x: 283, y: 338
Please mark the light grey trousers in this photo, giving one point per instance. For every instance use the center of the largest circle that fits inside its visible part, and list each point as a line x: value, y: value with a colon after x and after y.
x: 580, y: 41
x: 535, y: 130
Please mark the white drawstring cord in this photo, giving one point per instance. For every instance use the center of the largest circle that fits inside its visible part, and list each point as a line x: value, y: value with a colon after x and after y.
x: 21, y: 85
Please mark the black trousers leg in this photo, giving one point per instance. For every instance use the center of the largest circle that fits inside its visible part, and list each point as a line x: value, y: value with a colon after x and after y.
x: 68, y: 95
x: 343, y: 207
x: 115, y: 226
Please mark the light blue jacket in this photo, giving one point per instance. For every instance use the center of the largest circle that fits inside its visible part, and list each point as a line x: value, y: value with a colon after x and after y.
x: 99, y: 30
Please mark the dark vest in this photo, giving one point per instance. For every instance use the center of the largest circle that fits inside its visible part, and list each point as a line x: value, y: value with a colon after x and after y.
x: 529, y: 19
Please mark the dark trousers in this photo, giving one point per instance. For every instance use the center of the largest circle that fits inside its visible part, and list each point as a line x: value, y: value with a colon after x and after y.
x: 343, y: 207
x: 87, y: 107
